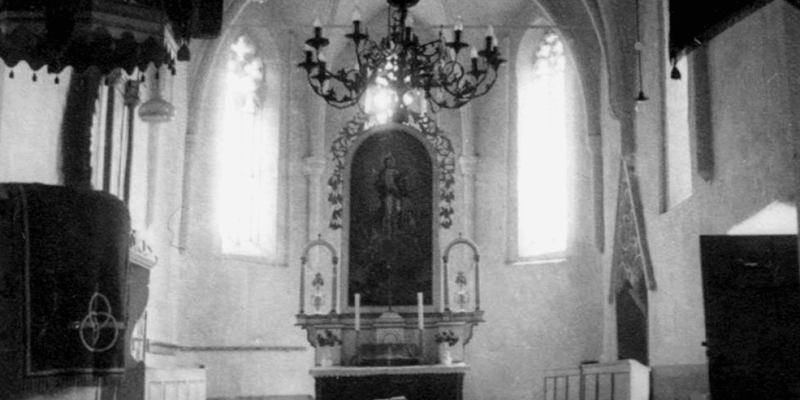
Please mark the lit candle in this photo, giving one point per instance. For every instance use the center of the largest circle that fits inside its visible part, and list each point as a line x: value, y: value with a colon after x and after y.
x: 473, y: 54
x: 489, y: 38
x: 317, y: 28
x: 420, y: 313
x: 358, y: 311
x: 457, y: 30
x: 356, y: 20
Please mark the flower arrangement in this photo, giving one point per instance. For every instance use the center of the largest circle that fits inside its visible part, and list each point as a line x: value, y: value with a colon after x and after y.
x: 329, y: 339
x: 446, y: 337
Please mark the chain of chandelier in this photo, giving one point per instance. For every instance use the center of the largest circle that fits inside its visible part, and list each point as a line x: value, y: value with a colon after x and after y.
x: 410, y: 75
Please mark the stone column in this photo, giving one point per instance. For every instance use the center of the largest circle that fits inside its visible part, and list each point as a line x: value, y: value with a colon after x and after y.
x: 595, y: 144
x: 313, y: 167
x: 469, y: 165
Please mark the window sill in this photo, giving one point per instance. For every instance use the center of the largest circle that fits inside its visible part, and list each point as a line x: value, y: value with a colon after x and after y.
x: 537, y: 262
x: 254, y: 259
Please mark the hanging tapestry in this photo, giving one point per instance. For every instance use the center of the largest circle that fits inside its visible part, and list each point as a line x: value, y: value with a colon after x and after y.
x: 445, y: 161
x: 631, y: 273
x: 63, y: 273
x: 630, y: 266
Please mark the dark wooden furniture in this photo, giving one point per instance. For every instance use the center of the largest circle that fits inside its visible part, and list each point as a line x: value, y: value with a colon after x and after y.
x: 423, y: 382
x: 751, y: 291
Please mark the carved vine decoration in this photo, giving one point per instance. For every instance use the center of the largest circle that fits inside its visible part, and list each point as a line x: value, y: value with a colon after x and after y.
x: 443, y: 149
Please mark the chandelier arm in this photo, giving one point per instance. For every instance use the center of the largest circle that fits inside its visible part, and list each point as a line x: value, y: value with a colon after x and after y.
x: 330, y: 96
x: 456, y: 98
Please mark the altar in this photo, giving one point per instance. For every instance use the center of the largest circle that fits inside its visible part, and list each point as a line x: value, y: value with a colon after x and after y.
x: 393, y: 318
x: 428, y: 382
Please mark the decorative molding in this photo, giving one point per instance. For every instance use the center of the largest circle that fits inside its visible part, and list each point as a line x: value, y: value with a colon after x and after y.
x: 339, y: 371
x: 631, y: 258
x: 469, y: 165
x: 140, y: 252
x: 269, y: 397
x: 314, y: 166
x: 442, y: 146
x: 155, y: 346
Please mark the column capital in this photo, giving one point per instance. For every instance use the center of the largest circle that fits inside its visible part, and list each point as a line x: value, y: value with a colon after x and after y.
x: 313, y: 166
x: 469, y: 164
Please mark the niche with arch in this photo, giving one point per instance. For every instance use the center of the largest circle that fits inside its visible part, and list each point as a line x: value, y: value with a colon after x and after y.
x: 389, y: 218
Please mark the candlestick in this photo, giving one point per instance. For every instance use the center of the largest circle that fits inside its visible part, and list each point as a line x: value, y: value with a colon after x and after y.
x: 420, y: 313
x: 358, y: 312
x: 317, y: 28
x: 356, y: 21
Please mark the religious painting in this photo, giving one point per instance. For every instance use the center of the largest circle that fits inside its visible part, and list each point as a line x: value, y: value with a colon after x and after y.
x: 391, y: 220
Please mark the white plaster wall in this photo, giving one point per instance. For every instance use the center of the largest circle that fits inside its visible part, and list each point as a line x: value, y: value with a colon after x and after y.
x: 30, y: 124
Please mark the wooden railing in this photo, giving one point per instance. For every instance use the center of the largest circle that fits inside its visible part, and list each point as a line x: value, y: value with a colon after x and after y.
x: 618, y: 380
x: 175, y: 384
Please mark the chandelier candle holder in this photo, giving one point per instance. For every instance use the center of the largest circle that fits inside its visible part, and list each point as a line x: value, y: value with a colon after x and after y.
x: 401, y: 73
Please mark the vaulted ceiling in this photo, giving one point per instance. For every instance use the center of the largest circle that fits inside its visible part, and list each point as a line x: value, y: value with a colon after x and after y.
x: 598, y: 33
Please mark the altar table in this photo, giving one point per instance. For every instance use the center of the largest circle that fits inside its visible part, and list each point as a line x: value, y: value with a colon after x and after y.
x: 418, y: 382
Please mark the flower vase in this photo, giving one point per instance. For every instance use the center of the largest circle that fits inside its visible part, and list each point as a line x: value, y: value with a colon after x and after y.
x: 445, y: 358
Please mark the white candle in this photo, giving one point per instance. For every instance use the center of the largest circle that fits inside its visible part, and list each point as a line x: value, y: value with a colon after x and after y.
x: 358, y: 311
x: 459, y: 25
x: 420, y: 314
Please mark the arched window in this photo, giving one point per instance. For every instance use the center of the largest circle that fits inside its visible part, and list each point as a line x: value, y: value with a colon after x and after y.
x: 248, y: 144
x: 677, y: 160
x: 541, y: 159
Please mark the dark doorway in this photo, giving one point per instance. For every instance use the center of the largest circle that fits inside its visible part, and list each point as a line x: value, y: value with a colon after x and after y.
x: 631, y: 307
x: 751, y: 292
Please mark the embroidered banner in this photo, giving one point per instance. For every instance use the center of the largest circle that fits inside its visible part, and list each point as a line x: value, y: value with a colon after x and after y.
x: 68, y: 263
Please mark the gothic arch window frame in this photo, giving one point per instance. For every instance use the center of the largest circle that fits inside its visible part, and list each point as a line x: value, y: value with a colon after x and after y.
x: 525, y: 61
x: 272, y: 65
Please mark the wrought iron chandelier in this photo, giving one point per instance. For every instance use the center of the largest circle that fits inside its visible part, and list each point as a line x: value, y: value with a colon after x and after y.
x: 407, y: 74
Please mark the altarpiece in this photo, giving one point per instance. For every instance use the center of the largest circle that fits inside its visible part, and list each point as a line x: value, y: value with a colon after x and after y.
x: 395, y: 300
